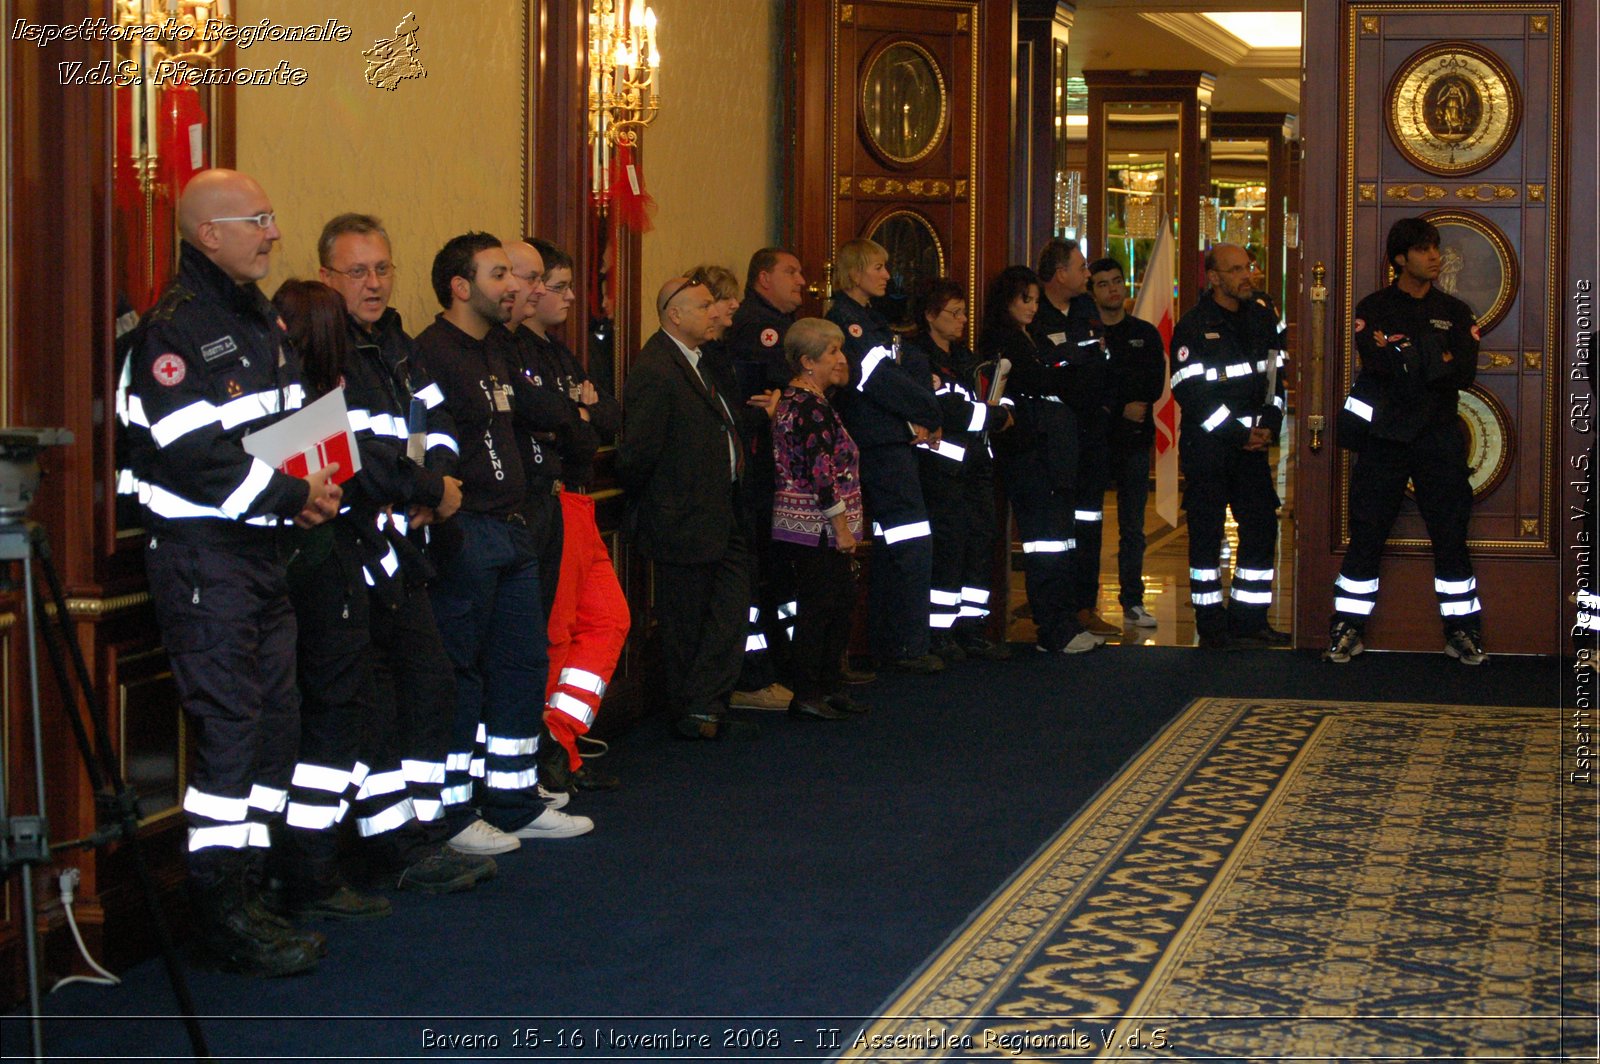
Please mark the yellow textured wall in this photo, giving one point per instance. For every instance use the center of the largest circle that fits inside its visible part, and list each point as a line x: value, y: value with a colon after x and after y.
x: 435, y: 157
x: 711, y: 155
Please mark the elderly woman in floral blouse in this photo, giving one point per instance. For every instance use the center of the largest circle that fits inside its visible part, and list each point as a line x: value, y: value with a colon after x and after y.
x: 816, y: 514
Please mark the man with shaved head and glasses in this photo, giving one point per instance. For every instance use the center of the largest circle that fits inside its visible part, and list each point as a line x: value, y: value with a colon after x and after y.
x: 209, y: 364
x: 681, y: 462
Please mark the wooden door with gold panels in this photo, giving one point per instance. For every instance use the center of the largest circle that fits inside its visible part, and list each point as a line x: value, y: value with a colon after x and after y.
x: 1454, y: 112
x: 901, y: 134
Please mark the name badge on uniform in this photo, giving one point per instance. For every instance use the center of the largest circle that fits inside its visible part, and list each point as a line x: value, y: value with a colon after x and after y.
x: 217, y: 348
x: 1213, y: 336
x: 1439, y: 323
x: 502, y: 399
x: 1057, y: 338
x: 1135, y: 343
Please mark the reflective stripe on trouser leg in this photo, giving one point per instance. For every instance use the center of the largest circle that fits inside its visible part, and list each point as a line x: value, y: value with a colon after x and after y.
x: 1251, y: 587
x: 1354, y: 599
x: 944, y: 607
x: 1458, y: 602
x: 317, y: 797
x: 381, y: 802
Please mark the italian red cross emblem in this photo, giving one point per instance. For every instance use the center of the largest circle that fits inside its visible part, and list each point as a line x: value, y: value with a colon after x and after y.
x: 769, y: 337
x: 169, y: 370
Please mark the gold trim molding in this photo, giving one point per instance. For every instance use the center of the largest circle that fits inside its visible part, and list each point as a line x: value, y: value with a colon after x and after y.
x: 889, y: 186
x: 1495, y: 360
x: 1530, y: 526
x: 1536, y: 193
x: 1369, y: 193
x: 1487, y: 192
x: 847, y: 14
x: 1539, y: 23
x: 99, y: 607
x: 1415, y: 193
x: 7, y: 621
x: 1369, y: 24
x: 1532, y: 359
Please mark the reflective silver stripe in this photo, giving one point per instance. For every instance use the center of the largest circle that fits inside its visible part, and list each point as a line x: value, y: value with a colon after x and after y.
x: 584, y: 680
x: 1186, y: 372
x: 1458, y: 609
x: 1006, y: 400
x: 755, y: 614
x: 183, y: 421
x: 899, y: 533
x: 133, y: 412
x: 755, y: 642
x: 511, y: 781
x: 1589, y: 599
x: 1277, y: 401
x: 164, y: 503
x: 873, y: 359
x: 321, y: 778
x: 476, y: 771
x: 457, y: 762
x: 980, y: 415
x: 1253, y: 574
x: 973, y: 611
x: 422, y: 771
x: 975, y: 594
x: 482, y: 732
x: 1205, y: 574
x: 1211, y: 375
x: 249, y: 490
x: 399, y: 522
x: 944, y: 598
x: 231, y: 836
x: 441, y: 439
x: 358, y: 775
x: 1240, y: 369
x: 576, y: 708
x: 431, y: 396
x: 214, y: 806
x: 1089, y: 343
x: 505, y: 746
x: 127, y: 483
x: 311, y: 817
x: 382, y: 783
x: 267, y: 799
x: 1358, y: 408
x: 942, y: 620
x: 456, y: 795
x: 1360, y: 607
x: 427, y: 809
x: 1248, y: 421
x: 787, y: 610
x: 1215, y: 419
x: 1356, y: 587
x: 393, y: 817
x: 1046, y: 546
x: 1455, y: 587
x: 945, y: 449
x: 1207, y: 598
x: 1089, y: 515
x: 1254, y: 598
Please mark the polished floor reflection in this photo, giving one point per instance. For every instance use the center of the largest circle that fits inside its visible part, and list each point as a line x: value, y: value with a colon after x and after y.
x: 1166, y: 570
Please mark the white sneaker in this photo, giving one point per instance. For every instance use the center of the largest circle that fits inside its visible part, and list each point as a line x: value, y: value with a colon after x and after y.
x: 483, y: 839
x: 1139, y: 617
x: 1083, y: 642
x: 554, y: 799
x: 554, y: 824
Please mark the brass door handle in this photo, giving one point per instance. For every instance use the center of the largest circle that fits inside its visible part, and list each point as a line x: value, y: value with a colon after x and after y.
x: 825, y: 288
x: 1316, y: 421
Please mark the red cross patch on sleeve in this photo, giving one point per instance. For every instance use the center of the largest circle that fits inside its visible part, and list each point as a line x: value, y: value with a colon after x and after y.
x: 169, y: 370
x: 1361, y: 323
x: 1183, y: 354
x: 855, y: 330
x: 1475, y: 332
x: 769, y: 337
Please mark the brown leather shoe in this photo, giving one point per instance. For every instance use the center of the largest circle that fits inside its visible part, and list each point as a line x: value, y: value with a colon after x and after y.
x: 1096, y: 623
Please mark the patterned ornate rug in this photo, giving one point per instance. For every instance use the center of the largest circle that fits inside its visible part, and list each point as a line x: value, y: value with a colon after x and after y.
x: 1286, y: 879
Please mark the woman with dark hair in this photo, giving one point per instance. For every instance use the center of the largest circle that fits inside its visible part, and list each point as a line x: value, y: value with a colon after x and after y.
x: 315, y: 317
x: 1037, y: 460
x: 957, y: 474
x: 816, y: 515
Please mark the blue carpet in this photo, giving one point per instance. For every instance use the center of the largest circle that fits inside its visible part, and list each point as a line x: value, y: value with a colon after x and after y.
x: 802, y: 876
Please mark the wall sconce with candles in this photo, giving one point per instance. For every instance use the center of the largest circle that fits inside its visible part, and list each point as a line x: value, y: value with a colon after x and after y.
x: 172, y: 31
x: 624, y: 85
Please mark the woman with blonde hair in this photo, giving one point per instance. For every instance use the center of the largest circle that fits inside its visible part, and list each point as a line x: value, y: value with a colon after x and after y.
x: 888, y: 411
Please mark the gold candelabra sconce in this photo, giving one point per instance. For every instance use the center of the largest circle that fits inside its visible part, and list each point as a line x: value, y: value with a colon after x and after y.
x: 624, y: 71
x: 157, y: 34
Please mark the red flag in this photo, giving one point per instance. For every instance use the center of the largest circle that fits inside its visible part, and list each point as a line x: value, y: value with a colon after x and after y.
x: 1154, y: 305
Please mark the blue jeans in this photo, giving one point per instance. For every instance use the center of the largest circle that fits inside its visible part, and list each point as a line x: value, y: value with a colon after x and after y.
x: 491, y: 619
x: 1130, y: 475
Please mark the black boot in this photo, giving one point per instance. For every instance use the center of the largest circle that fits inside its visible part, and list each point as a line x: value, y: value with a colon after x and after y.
x: 254, y: 874
x: 233, y: 938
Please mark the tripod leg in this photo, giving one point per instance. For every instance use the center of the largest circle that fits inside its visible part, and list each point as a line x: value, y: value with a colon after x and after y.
x: 102, y: 767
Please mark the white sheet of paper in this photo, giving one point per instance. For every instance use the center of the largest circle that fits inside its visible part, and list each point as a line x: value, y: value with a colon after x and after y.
x: 302, y: 431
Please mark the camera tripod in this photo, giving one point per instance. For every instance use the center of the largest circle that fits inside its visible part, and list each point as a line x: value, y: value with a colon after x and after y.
x: 24, y: 840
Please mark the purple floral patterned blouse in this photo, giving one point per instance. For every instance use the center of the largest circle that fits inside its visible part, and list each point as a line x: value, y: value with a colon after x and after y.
x: 818, y: 471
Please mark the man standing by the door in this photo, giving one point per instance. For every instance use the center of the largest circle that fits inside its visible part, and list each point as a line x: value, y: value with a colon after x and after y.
x: 1418, y: 348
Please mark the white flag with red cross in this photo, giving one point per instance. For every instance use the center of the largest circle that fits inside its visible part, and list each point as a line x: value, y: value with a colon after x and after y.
x: 1154, y: 305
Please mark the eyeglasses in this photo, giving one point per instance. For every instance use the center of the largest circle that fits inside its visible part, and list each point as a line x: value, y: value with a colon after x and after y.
x: 563, y: 287
x: 530, y: 278
x: 266, y: 219
x: 688, y: 283
x: 360, y: 273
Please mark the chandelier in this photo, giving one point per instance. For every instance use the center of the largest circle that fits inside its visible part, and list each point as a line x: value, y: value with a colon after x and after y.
x: 623, y: 67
